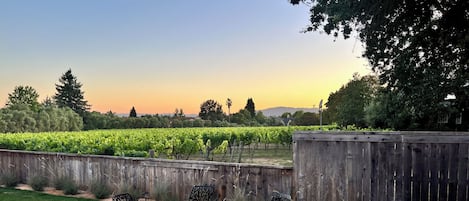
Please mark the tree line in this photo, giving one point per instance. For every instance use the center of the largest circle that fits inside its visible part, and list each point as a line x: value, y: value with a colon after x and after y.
x: 365, y: 103
x: 68, y: 110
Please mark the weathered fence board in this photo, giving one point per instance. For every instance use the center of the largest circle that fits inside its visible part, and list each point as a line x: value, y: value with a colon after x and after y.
x: 462, y: 172
x: 374, y: 157
x: 258, y: 180
x: 426, y: 172
x: 443, y: 175
x: 434, y: 166
x: 394, y: 166
x: 366, y: 179
x: 453, y: 172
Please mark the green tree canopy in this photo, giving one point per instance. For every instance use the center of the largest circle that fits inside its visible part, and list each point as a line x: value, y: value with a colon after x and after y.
x: 69, y: 94
x: 23, y: 95
x: 22, y: 118
x: 385, y: 111
x: 211, y: 110
x: 308, y: 119
x: 347, y: 105
x: 261, y: 118
x: 418, y: 48
x: 48, y: 102
x: 242, y: 117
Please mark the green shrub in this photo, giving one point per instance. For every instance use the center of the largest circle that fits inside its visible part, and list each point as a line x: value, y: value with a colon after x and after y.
x: 9, y: 179
x: 38, y: 182
x: 100, y: 190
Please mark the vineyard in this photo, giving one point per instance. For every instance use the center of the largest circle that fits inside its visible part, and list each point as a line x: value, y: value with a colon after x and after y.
x: 178, y: 143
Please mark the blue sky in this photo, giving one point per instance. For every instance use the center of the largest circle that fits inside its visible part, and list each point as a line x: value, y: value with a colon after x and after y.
x: 162, y: 55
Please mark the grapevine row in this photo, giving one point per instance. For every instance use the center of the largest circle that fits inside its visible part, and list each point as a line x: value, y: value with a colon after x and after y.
x: 169, y: 142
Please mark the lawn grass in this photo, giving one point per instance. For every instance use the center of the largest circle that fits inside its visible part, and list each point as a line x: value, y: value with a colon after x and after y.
x: 23, y: 195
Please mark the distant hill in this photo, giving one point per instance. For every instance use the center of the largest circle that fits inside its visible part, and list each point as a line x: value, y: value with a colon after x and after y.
x: 164, y: 114
x: 278, y: 111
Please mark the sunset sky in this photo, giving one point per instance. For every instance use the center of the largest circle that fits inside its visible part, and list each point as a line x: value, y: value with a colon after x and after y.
x: 163, y: 55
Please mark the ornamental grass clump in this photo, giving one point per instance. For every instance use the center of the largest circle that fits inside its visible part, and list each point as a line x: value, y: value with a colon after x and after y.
x: 66, y: 184
x: 9, y: 179
x: 70, y: 188
x: 100, y: 190
x: 38, y: 182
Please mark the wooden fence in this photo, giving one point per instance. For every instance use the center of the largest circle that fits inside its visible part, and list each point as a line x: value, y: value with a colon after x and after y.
x: 390, y: 166
x: 145, y: 174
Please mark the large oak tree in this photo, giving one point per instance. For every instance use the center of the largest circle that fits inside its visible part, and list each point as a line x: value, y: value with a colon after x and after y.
x: 211, y: 110
x: 418, y: 48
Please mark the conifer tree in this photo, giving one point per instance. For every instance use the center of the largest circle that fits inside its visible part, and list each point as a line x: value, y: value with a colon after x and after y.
x: 25, y: 95
x: 251, y: 107
x: 133, y: 113
x: 69, y: 94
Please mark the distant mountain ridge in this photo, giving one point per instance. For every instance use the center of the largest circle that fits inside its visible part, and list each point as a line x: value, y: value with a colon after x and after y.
x: 278, y: 111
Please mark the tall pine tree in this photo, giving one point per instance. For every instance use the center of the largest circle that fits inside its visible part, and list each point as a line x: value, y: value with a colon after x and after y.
x: 251, y: 107
x: 69, y: 94
x: 133, y: 112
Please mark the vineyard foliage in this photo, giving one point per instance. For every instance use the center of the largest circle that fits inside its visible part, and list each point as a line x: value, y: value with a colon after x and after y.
x: 177, y: 143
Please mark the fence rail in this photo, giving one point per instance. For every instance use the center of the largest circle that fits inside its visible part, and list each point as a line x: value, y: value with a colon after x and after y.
x: 381, y: 166
x: 143, y: 173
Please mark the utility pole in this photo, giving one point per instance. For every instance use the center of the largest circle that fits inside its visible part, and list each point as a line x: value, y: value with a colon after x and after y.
x: 320, y: 115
